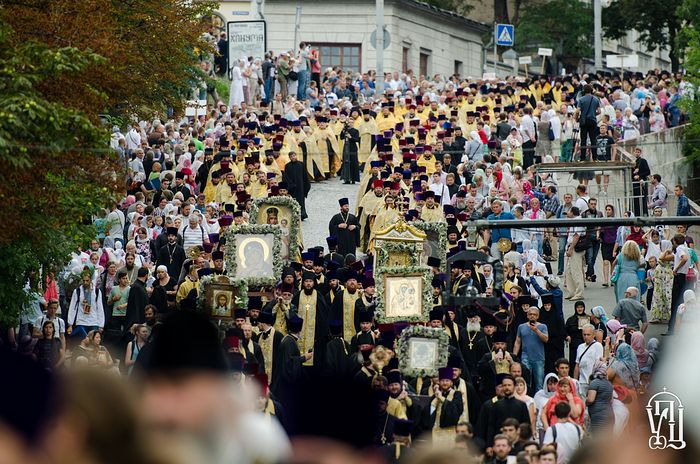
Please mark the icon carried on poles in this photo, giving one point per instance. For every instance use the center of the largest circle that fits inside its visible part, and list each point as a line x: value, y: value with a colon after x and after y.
x: 505, y: 36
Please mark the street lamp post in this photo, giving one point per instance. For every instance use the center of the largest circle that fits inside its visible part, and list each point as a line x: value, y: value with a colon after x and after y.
x: 598, y: 33
x: 379, y: 83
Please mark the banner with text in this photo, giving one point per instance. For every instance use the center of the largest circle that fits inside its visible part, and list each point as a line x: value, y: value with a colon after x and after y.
x: 246, y: 38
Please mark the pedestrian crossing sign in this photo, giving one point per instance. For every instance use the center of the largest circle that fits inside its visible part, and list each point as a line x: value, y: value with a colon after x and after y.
x: 504, y: 35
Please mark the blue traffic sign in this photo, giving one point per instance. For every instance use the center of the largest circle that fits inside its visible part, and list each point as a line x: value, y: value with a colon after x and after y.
x: 505, y: 35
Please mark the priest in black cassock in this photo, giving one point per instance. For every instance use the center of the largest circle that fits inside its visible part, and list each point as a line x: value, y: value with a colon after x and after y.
x: 346, y: 228
x: 350, y: 171
x: 136, y: 304
x: 473, y: 336
x: 297, y: 181
x: 311, y: 304
x: 365, y: 336
x: 508, y: 406
x: 172, y: 255
x: 291, y: 360
x: 339, y: 361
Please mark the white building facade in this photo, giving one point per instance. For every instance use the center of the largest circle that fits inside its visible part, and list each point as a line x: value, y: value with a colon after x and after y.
x: 422, y: 38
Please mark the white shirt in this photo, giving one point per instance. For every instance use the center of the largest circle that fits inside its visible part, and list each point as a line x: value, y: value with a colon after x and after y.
x: 568, y: 440
x: 585, y: 363
x: 581, y: 231
x: 133, y: 139
x: 527, y: 128
x: 582, y: 204
x: 681, y: 251
x: 443, y: 191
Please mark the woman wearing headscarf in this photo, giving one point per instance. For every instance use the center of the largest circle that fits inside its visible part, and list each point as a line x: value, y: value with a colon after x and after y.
x: 535, y: 212
x: 624, y: 368
x: 639, y: 347
x: 625, y: 269
x: 637, y: 236
x: 663, y: 285
x: 517, y: 184
x: 599, y: 319
x: 653, y: 350
x: 574, y: 326
x: 599, y: 398
x: 474, y: 150
x: 566, y: 392
x: 623, y: 372
x: 548, y: 179
x: 549, y: 389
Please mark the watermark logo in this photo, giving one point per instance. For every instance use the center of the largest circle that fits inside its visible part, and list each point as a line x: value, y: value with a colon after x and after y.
x: 665, y: 414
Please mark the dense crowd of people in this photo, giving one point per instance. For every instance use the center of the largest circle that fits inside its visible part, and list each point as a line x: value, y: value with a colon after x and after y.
x: 520, y: 379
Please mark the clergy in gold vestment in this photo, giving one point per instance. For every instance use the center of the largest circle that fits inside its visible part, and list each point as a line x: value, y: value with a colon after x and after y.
x: 432, y: 211
x: 368, y: 206
x: 445, y: 409
x: 311, y: 306
x: 269, y: 340
x: 385, y: 216
x: 328, y: 148
x: 312, y: 158
x: 367, y: 127
x: 343, y: 307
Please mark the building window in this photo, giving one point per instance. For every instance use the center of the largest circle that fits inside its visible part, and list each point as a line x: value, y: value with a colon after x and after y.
x: 347, y: 56
x: 424, y: 62
x: 404, y: 59
x: 458, y: 67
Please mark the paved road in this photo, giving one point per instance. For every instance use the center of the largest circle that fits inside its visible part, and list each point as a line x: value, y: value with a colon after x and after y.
x: 322, y: 204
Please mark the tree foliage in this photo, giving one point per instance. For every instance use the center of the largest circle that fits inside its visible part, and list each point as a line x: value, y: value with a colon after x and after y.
x: 52, y: 180
x: 564, y: 25
x: 62, y: 64
x: 148, y: 48
x: 657, y: 23
x: 690, y: 38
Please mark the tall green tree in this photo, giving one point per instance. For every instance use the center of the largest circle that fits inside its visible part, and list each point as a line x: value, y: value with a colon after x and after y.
x: 62, y: 64
x: 563, y: 25
x: 658, y: 24
x: 55, y: 171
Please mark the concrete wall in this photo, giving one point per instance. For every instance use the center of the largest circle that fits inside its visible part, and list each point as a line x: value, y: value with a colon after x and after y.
x: 664, y: 153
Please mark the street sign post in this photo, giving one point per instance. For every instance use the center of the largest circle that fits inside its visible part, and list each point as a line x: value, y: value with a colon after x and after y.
x: 387, y: 38
x: 503, y: 34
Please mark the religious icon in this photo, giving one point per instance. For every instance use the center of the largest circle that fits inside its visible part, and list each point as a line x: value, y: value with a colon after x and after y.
x: 422, y: 353
x: 398, y: 260
x: 280, y: 215
x: 220, y: 299
x: 254, y: 255
x: 583, y: 321
x: 403, y: 296
x: 222, y: 307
